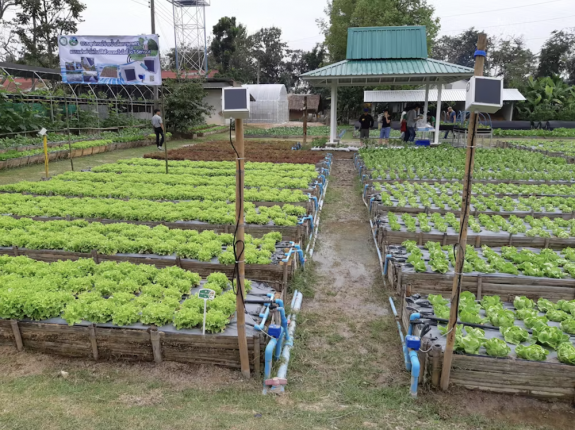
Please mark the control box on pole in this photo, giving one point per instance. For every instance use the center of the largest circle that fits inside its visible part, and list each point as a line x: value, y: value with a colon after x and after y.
x: 236, y: 103
x: 484, y: 94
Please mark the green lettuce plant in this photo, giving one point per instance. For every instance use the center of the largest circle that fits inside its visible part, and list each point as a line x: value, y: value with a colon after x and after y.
x: 497, y: 348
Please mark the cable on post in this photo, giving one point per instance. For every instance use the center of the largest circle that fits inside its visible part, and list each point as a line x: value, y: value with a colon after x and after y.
x: 237, y: 258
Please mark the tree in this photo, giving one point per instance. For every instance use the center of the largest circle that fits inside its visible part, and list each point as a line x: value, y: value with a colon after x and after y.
x: 38, y: 24
x: 548, y: 98
x: 513, y: 61
x: 4, y: 6
x: 300, y: 62
x: 343, y: 14
x: 557, y: 53
x: 269, y: 51
x: 185, y: 105
x: 459, y: 49
x: 224, y: 45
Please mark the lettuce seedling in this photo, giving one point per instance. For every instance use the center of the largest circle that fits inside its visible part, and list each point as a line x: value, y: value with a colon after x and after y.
x: 531, y: 352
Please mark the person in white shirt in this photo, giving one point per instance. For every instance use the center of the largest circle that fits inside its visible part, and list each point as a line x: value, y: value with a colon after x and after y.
x: 158, y: 125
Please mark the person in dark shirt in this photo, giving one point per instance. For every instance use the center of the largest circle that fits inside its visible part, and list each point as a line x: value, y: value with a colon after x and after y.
x: 385, y: 127
x: 451, y: 116
x: 365, y: 124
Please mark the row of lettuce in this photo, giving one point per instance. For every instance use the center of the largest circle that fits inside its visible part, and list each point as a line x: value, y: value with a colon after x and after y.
x: 121, y: 293
x: 532, y: 329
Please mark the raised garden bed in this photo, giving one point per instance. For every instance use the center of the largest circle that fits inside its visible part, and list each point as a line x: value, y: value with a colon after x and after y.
x: 405, y: 280
x: 549, y: 379
x: 446, y: 232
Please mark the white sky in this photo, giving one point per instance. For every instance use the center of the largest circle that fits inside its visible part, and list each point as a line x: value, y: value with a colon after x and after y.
x: 535, y: 19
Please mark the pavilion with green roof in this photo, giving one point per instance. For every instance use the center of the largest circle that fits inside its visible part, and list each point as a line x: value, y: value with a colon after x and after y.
x: 386, y: 56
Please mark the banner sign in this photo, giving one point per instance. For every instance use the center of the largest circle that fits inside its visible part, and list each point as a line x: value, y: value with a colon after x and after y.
x: 112, y: 60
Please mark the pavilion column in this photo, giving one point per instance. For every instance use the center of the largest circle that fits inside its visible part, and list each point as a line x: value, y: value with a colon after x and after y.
x: 333, y: 116
x: 426, y: 104
x: 438, y: 114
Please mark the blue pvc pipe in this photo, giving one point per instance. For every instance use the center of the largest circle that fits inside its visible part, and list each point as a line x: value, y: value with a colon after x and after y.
x: 269, y: 355
x: 365, y: 191
x: 280, y: 302
x: 412, y: 317
x: 264, y: 317
x: 371, y: 203
x: 293, y: 299
x: 300, y: 253
x: 387, y: 258
x: 415, y: 367
x: 314, y: 198
x: 403, y: 344
x: 279, y: 344
x: 284, y: 321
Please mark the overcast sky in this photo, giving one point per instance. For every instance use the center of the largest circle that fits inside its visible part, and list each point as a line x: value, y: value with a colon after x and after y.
x: 535, y: 19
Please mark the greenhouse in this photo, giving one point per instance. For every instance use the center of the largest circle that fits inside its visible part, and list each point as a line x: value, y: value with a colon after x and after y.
x: 271, y: 105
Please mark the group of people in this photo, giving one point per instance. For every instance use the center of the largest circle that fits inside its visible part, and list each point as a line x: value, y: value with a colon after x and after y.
x: 408, y: 123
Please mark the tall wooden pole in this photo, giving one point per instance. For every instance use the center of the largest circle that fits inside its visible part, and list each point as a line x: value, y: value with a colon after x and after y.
x: 68, y: 130
x: 304, y: 120
x: 466, y: 197
x: 241, y: 290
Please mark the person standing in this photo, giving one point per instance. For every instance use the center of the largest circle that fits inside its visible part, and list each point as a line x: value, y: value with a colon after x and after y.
x: 365, y: 124
x: 450, y: 119
x: 158, y: 125
x: 403, y: 125
x: 411, y: 119
x: 385, y: 127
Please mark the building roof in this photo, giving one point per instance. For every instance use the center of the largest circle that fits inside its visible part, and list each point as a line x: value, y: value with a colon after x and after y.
x: 401, y: 96
x: 384, y: 43
x: 22, y: 85
x: 388, y: 72
x: 296, y: 102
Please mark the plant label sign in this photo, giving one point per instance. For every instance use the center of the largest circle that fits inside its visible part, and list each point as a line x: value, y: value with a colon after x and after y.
x: 206, y: 294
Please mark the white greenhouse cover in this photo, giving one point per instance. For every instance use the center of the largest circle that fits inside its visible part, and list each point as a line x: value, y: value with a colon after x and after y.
x: 271, y: 105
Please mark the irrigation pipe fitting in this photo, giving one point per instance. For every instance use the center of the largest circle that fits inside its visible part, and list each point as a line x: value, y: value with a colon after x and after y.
x: 387, y: 258
x: 314, y: 198
x: 264, y: 317
x: 371, y: 203
x: 277, y: 384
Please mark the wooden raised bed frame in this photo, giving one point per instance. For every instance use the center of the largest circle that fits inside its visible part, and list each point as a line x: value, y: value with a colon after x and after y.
x: 499, y: 375
x: 387, y: 236
x: 93, y: 342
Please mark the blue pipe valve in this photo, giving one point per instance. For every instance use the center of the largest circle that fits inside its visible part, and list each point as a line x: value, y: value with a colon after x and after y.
x: 274, y: 330
x: 413, y: 342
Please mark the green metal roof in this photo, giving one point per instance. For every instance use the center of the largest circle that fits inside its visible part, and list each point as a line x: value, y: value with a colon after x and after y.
x: 378, y: 72
x: 379, y: 43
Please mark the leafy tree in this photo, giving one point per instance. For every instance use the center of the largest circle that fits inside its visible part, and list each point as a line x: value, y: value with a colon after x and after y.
x: 459, y: 49
x: 342, y: 14
x: 38, y: 24
x: 4, y: 6
x: 269, y: 50
x: 557, y: 54
x: 184, y: 104
x: 512, y: 60
x: 548, y: 98
x: 225, y: 43
x: 299, y: 62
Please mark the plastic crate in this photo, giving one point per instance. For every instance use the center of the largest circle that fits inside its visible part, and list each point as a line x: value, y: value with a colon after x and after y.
x: 422, y: 142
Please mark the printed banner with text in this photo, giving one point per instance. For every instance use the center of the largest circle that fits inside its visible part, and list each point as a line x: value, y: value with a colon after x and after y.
x: 112, y: 60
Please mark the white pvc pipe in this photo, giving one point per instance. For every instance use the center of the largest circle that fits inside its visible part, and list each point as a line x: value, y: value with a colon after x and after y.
x: 282, y: 371
x: 438, y: 115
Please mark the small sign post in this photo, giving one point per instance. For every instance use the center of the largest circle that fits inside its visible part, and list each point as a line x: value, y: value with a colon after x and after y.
x: 206, y: 294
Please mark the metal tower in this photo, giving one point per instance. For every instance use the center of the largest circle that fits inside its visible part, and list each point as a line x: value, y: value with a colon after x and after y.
x: 190, y: 34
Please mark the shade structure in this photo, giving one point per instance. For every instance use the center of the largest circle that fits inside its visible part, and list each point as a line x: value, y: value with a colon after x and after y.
x: 271, y: 105
x: 386, y: 56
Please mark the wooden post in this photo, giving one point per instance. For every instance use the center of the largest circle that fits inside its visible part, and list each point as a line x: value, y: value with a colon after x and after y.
x: 240, y: 290
x: 17, y: 335
x: 68, y: 132
x: 46, y: 155
x: 165, y: 128
x: 466, y: 197
x: 304, y: 120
